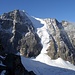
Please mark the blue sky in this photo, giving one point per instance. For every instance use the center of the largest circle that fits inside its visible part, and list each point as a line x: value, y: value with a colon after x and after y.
x: 59, y: 9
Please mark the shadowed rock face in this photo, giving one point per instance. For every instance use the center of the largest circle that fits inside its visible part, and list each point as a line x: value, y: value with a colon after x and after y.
x: 17, y: 34
x: 13, y: 66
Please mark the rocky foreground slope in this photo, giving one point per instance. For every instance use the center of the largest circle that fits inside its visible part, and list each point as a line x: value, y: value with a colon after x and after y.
x: 10, y: 64
x: 32, y: 36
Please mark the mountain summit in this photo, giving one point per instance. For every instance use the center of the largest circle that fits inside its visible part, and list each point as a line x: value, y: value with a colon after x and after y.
x: 17, y: 34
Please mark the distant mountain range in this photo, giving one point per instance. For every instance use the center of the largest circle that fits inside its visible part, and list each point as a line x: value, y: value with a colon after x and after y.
x: 42, y: 46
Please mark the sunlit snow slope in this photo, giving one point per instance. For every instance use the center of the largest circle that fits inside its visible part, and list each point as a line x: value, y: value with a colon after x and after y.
x: 42, y: 31
x: 45, y: 66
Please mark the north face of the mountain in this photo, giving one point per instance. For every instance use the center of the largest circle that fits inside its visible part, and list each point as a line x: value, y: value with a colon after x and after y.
x: 17, y: 34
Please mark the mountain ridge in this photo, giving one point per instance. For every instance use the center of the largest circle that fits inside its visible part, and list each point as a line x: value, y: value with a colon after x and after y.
x: 47, y: 31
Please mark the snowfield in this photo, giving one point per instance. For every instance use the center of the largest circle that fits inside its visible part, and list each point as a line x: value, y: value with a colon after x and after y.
x: 43, y: 65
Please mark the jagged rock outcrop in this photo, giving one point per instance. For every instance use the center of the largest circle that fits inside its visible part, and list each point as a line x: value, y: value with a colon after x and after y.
x: 12, y: 65
x: 17, y: 34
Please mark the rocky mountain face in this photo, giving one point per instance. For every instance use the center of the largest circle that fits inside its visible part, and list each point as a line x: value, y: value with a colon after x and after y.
x: 62, y: 42
x: 18, y: 33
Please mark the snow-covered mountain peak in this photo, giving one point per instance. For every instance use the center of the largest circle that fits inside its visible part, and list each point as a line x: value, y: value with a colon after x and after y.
x: 50, y: 42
